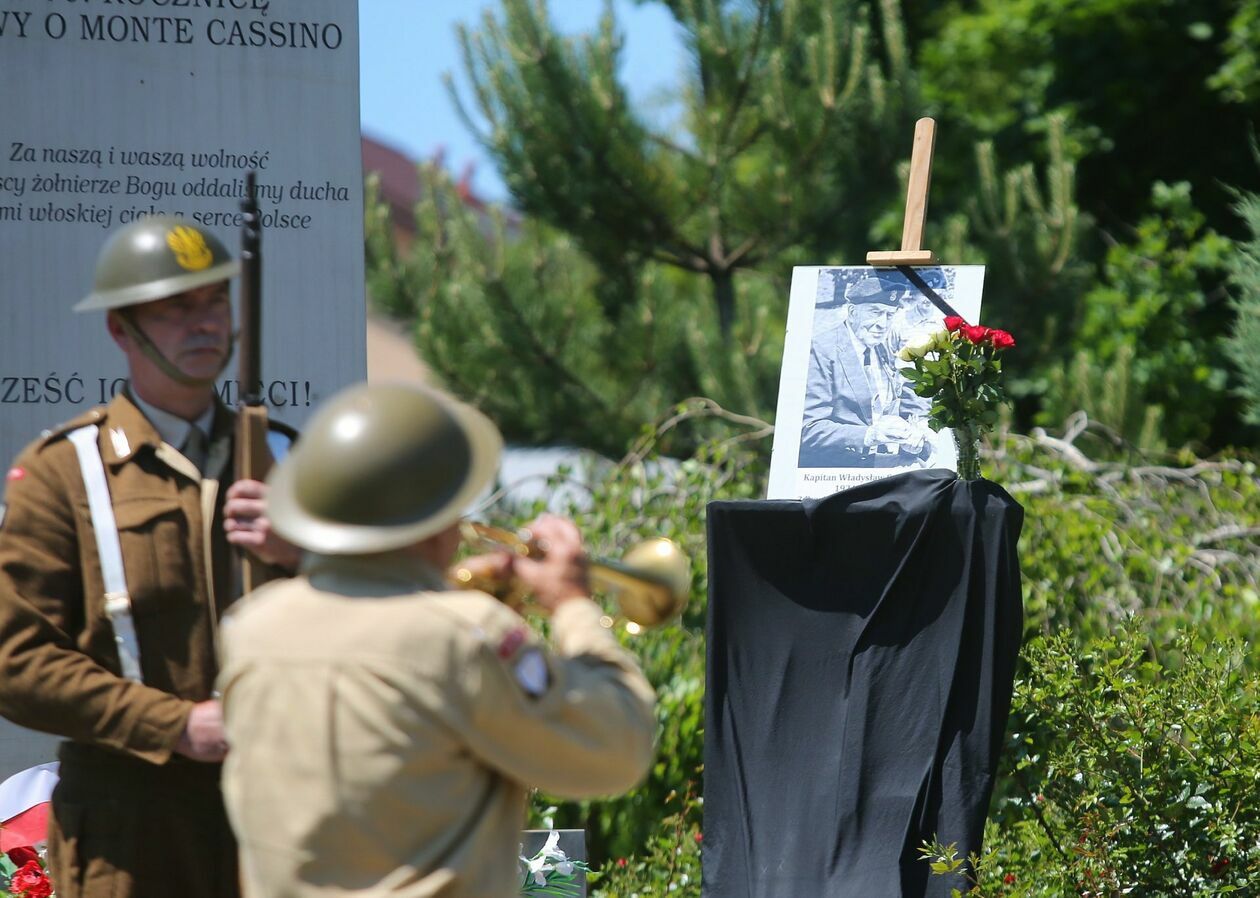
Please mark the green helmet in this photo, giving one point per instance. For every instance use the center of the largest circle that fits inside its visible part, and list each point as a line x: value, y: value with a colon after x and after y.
x: 156, y: 257
x: 381, y: 467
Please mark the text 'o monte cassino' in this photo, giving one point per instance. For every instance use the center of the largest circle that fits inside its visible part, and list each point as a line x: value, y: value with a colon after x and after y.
x: 256, y: 33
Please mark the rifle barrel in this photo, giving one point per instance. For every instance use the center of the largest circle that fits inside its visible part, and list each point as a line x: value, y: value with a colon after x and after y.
x: 248, y: 344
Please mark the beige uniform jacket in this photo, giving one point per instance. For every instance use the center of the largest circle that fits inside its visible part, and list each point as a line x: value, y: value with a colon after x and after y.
x: 59, y: 668
x: 384, y: 730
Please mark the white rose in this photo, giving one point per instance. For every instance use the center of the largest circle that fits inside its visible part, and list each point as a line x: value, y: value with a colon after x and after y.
x: 917, y: 347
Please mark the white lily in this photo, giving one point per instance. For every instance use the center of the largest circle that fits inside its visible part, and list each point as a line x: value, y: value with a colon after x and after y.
x: 551, y: 848
x: 538, y: 867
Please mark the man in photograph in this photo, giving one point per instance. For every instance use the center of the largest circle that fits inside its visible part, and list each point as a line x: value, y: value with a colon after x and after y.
x: 859, y: 411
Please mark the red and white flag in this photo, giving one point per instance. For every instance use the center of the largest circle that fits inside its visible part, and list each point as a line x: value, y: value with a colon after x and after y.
x: 24, y: 801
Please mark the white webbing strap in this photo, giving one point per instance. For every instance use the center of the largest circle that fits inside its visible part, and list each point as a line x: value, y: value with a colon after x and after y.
x: 117, y: 599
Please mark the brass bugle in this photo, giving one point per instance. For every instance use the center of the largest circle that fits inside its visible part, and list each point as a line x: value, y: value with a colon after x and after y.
x: 650, y: 584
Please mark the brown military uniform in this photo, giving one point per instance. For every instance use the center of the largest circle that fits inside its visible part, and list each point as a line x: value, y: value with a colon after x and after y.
x: 385, y: 729
x: 129, y: 816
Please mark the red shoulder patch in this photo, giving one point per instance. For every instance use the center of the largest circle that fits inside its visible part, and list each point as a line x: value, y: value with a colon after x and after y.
x: 15, y: 474
x: 514, y: 639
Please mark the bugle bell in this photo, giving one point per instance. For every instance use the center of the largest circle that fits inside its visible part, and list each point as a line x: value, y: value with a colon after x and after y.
x: 650, y: 584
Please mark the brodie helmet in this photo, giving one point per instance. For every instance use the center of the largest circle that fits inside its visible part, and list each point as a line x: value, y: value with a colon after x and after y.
x: 156, y: 257
x: 380, y: 467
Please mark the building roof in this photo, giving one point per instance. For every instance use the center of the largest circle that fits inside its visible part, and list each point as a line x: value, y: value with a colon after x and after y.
x: 399, y: 180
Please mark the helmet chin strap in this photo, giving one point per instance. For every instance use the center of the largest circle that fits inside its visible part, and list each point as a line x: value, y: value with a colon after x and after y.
x: 167, y: 367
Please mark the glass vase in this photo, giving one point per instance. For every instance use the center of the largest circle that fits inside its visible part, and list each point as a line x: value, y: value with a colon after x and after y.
x: 967, y: 440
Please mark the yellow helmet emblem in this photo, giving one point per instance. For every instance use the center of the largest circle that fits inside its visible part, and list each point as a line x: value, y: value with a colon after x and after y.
x: 189, y: 248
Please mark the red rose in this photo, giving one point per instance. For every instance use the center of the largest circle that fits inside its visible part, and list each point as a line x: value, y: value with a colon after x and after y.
x: 1001, y: 339
x: 699, y: 837
x: 22, y: 856
x: 31, y: 882
x: 1009, y: 879
x: 621, y: 862
x: 954, y: 323
x: 975, y: 333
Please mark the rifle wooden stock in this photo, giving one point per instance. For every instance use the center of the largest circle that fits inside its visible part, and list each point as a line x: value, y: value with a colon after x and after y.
x: 253, y: 458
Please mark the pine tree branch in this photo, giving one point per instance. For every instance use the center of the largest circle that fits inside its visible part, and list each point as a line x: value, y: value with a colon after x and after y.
x: 690, y: 262
x: 741, y: 253
x: 744, y: 79
x: 698, y: 407
x: 661, y: 226
x: 541, y: 353
x: 673, y: 147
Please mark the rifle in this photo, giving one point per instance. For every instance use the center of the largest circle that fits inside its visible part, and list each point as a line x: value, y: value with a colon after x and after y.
x: 253, y: 458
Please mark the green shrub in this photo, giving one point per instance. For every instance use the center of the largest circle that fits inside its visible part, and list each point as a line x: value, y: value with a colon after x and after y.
x: 1148, y: 332
x: 1103, y: 542
x: 1137, y: 767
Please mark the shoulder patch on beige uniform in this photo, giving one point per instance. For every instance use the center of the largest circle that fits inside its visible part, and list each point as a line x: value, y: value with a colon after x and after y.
x: 511, y: 642
x: 531, y: 672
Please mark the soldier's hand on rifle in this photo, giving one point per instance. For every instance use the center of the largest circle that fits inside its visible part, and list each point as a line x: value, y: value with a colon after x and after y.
x: 245, y: 520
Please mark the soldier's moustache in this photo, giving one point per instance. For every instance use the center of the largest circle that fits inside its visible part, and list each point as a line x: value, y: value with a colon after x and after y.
x: 169, y: 368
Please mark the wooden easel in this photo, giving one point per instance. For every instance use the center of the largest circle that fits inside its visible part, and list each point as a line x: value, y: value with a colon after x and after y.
x: 911, y: 252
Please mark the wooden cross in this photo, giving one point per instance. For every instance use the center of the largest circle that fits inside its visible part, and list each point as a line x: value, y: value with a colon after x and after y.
x: 911, y: 252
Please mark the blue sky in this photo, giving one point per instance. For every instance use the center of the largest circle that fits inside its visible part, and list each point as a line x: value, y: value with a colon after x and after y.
x: 405, y: 46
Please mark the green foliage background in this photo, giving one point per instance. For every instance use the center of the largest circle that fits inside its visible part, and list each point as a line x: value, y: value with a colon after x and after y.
x: 1091, y: 155
x: 1096, y: 156
x: 1138, y: 682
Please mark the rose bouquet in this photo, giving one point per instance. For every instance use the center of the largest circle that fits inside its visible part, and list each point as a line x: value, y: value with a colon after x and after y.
x: 23, y: 875
x: 960, y: 370
x: 550, y: 871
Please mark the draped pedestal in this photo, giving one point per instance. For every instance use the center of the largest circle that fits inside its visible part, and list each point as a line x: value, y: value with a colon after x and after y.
x: 860, y: 661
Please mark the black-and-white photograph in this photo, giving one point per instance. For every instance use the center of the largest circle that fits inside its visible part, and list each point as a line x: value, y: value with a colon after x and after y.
x: 846, y: 413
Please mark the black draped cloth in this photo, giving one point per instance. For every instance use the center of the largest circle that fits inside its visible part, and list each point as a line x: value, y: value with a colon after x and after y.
x: 861, y: 655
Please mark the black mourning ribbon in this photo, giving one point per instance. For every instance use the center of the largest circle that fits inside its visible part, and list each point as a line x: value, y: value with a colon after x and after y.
x: 935, y: 298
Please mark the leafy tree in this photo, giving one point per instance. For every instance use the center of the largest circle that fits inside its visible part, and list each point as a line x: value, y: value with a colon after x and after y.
x: 1024, y: 224
x: 1152, y: 90
x: 652, y: 263
x: 1149, y: 332
x: 652, y: 266
x: 1238, y: 78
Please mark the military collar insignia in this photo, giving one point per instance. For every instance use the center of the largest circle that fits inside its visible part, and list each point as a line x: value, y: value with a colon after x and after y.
x: 118, y: 437
x: 127, y: 429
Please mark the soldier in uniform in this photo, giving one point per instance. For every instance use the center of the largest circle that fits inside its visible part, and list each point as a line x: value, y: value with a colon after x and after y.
x: 385, y: 727
x: 114, y: 570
